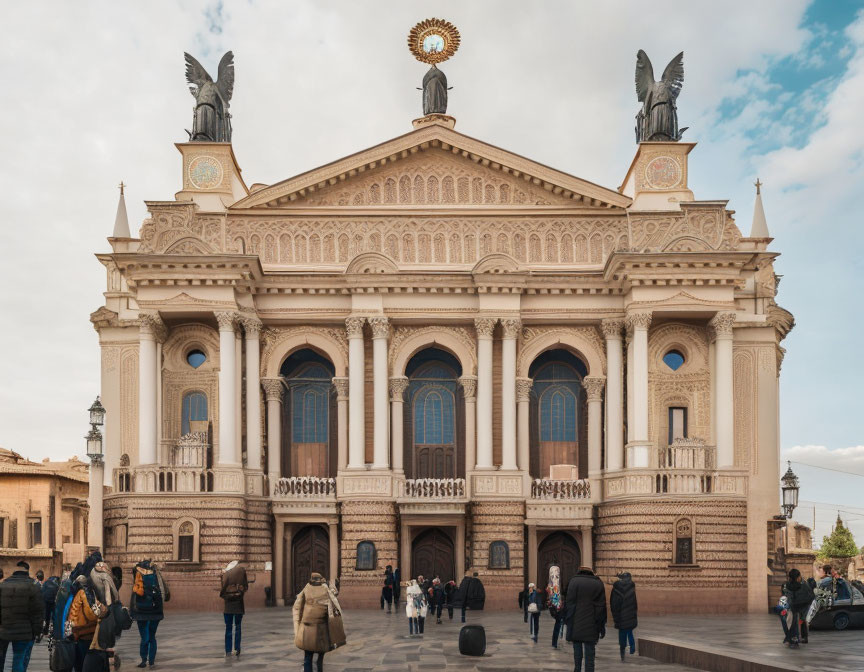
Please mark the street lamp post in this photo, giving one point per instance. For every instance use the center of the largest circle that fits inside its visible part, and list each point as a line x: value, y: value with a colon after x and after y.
x: 97, y: 474
x: 789, y: 486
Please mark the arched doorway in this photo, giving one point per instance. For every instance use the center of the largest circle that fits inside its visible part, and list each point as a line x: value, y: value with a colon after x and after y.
x: 310, y: 552
x: 561, y: 549
x: 432, y: 554
x: 434, y: 424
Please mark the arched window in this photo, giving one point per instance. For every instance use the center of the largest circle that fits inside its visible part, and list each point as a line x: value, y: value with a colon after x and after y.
x: 186, y: 533
x: 194, y: 410
x: 499, y: 555
x: 683, y: 551
x: 366, y: 556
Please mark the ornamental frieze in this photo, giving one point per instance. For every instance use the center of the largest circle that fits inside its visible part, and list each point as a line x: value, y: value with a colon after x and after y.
x: 695, y: 229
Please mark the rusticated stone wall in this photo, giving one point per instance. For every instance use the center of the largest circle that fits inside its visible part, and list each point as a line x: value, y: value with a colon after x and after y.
x: 366, y: 521
x: 638, y: 537
x: 497, y: 521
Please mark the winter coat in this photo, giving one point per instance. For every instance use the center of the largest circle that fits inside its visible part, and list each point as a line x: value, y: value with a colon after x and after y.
x: 234, y: 581
x: 415, y: 605
x: 535, y: 597
x: 800, y: 595
x: 311, y: 632
x: 622, y: 602
x: 471, y: 594
x: 84, y: 614
x: 148, y: 594
x: 50, y: 589
x: 103, y: 583
x: 585, y: 607
x: 21, y: 608
x: 436, y: 595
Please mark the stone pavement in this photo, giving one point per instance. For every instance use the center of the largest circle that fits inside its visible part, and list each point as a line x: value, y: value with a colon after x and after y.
x: 379, y: 643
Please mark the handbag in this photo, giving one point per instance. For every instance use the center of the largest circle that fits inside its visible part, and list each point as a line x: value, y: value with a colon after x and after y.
x: 61, y: 657
x: 335, y: 626
x: 533, y: 608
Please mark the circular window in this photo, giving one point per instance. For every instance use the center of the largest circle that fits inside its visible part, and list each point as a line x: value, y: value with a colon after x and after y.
x: 196, y: 358
x: 673, y: 359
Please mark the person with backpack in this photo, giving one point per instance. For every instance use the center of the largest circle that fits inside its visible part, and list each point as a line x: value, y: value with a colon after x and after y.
x: 622, y: 603
x: 799, y: 596
x: 148, y: 594
x: 21, y: 613
x: 316, y: 611
x: 234, y: 587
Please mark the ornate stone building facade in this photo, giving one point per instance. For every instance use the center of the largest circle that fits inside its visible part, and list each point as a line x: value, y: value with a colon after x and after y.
x: 442, y: 356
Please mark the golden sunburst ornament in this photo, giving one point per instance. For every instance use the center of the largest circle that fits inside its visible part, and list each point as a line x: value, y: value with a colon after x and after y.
x: 433, y: 41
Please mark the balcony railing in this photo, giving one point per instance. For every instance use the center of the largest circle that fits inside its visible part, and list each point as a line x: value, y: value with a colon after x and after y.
x: 555, y: 490
x: 163, y: 479
x: 687, y: 454
x: 441, y: 489
x: 304, y: 487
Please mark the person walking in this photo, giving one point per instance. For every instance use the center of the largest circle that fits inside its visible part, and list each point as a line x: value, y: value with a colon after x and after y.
x: 232, y: 591
x: 21, y: 611
x: 397, y: 578
x: 585, y: 616
x: 387, y: 589
x: 799, y: 595
x: 49, y: 599
x: 84, y: 614
x: 149, y: 593
x: 413, y: 606
x: 622, y: 603
x: 312, y: 610
x: 535, y: 606
x: 101, y: 595
x: 437, y: 598
x: 471, y: 594
x: 555, y: 601
x: 449, y: 595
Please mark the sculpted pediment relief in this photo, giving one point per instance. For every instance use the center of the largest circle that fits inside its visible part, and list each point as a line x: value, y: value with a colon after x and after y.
x: 372, y: 262
x: 697, y: 228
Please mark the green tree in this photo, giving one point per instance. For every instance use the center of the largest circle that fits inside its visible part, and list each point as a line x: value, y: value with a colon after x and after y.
x: 839, y: 544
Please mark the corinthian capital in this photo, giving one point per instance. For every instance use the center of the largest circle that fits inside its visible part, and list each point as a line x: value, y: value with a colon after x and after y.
x: 354, y: 326
x: 272, y: 388
x: 151, y: 323
x: 612, y: 327
x: 341, y: 385
x: 380, y: 327
x: 594, y: 387
x: 722, y: 324
x: 252, y: 326
x: 511, y: 327
x: 523, y: 389
x: 485, y: 326
x: 469, y: 387
x: 398, y: 385
x: 638, y: 321
x: 225, y: 320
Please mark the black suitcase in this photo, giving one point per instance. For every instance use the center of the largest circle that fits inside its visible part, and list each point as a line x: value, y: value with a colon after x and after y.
x: 472, y: 640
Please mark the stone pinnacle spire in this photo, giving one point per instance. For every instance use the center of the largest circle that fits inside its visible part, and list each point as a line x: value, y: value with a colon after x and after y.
x: 121, y: 221
x: 759, y: 228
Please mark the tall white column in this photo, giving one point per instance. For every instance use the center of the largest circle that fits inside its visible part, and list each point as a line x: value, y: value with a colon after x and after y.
x: 594, y: 388
x: 587, y: 546
x: 510, y: 332
x: 96, y: 516
x: 273, y: 394
x: 469, y: 394
x: 227, y: 390
x: 639, y: 453
x: 614, y: 395
x: 523, y: 411
x: 484, y: 326
x: 252, y: 329
x: 398, y: 385
x: 356, y: 394
x: 725, y: 422
x: 341, y: 385
x: 147, y: 388
x: 381, y: 421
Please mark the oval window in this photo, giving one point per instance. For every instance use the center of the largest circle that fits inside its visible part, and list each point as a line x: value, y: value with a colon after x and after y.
x: 673, y: 359
x: 196, y: 358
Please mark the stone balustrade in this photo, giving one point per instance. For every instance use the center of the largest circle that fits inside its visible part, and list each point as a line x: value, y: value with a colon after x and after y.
x: 432, y: 488
x: 304, y: 487
x: 560, y: 490
x: 680, y: 482
x: 163, y: 479
x: 191, y: 449
x: 687, y: 454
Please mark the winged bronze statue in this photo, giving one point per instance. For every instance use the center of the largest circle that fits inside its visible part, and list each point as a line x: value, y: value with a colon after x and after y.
x: 212, y: 122
x: 658, y: 118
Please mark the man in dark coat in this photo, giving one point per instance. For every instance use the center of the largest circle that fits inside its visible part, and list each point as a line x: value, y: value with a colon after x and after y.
x: 234, y: 587
x: 49, y: 598
x: 470, y: 595
x: 21, y: 611
x: 585, y: 616
x: 387, y: 589
x: 622, y: 603
x: 437, y: 598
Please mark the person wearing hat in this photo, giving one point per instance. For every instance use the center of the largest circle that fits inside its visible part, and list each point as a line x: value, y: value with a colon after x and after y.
x: 312, y: 609
x: 21, y: 611
x: 234, y: 587
x: 622, y: 604
x: 585, y: 616
x: 536, y: 602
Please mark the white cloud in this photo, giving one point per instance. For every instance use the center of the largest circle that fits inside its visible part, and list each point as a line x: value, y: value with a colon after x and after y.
x: 850, y: 460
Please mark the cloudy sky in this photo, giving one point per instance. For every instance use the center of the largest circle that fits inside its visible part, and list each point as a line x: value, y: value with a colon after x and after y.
x: 94, y: 93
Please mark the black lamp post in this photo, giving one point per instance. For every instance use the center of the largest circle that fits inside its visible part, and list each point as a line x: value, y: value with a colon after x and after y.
x: 789, y: 486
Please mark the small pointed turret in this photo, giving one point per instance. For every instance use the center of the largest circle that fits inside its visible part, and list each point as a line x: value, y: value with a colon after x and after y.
x: 121, y: 221
x: 759, y: 228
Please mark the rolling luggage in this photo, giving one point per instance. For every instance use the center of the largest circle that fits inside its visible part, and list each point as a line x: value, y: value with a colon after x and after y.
x: 472, y: 640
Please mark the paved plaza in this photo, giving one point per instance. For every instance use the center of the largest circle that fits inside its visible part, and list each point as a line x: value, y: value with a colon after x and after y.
x: 379, y: 643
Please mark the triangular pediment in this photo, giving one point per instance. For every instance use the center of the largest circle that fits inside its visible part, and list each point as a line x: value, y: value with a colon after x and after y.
x: 433, y: 166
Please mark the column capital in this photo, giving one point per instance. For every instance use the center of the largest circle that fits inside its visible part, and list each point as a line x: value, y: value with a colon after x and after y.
x: 638, y: 321
x: 485, y: 326
x: 511, y: 327
x: 523, y: 389
x: 151, y: 323
x: 469, y: 387
x: 398, y: 385
x: 594, y: 387
x: 252, y: 326
x: 226, y: 320
x: 612, y: 327
x: 341, y: 385
x: 354, y: 326
x: 380, y: 327
x: 272, y: 388
x: 722, y: 323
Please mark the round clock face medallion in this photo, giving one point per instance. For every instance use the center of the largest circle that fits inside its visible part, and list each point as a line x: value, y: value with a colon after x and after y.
x: 663, y: 172
x: 205, y: 172
x: 433, y: 41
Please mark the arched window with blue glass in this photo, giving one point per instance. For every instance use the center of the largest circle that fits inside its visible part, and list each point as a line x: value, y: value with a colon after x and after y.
x: 558, y: 413
x: 193, y: 413
x: 308, y: 437
x: 434, y: 441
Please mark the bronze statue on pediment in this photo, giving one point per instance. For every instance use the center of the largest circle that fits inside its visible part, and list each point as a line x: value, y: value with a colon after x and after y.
x: 212, y: 121
x: 658, y: 118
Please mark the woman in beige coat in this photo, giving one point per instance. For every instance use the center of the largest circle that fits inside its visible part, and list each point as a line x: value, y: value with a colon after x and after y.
x: 311, y: 629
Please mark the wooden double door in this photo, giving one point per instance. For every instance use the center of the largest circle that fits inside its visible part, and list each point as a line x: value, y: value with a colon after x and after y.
x: 433, y: 554
x: 310, y: 552
x: 561, y: 549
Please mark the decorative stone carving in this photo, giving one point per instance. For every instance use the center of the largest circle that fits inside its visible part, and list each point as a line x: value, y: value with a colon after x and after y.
x: 273, y: 339
x: 151, y: 323
x: 435, y: 335
x: 252, y: 326
x: 638, y: 321
x: 722, y: 324
x: 398, y: 385
x: 354, y: 327
x: 341, y: 385
x: 586, y: 340
x: 469, y: 387
x: 272, y: 388
x: 380, y: 327
x: 485, y: 326
x: 523, y: 389
x: 226, y: 320
x: 511, y: 327
x: 594, y: 387
x: 612, y: 327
